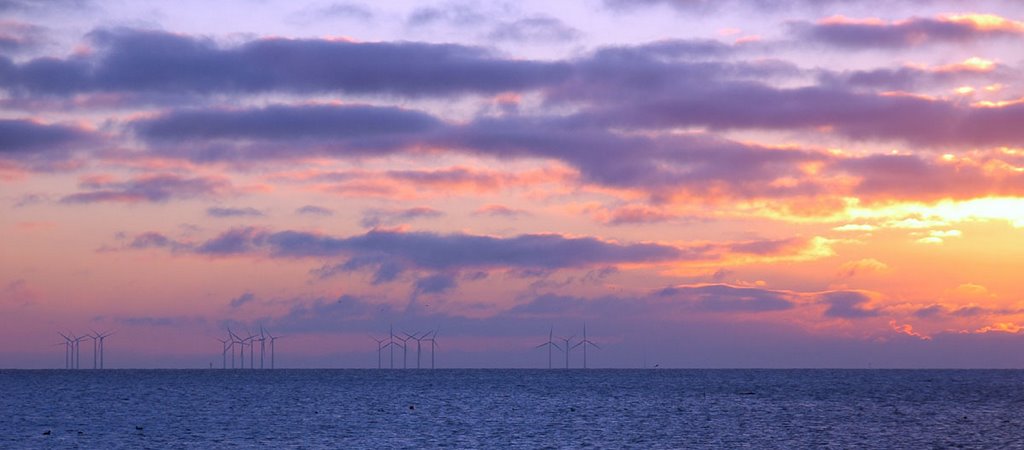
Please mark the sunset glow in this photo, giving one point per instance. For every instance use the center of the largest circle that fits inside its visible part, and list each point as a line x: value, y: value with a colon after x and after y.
x: 840, y: 178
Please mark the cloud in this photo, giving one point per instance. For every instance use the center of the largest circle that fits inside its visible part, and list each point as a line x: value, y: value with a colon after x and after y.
x: 336, y: 10
x: 461, y: 15
x: 725, y: 298
x: 944, y: 312
x: 850, y: 269
x: 31, y: 139
x: 148, y: 188
x: 632, y: 215
x: 435, y: 284
x: 233, y: 242
x: 18, y: 36
x: 161, y: 321
x: 317, y: 129
x: 847, y: 305
x: 495, y: 210
x: 534, y: 29
x: 873, y: 33
x: 910, y: 77
x: 916, y: 177
x: 218, y: 211
x: 376, y: 217
x: 131, y: 60
x: 313, y: 210
x: 242, y: 300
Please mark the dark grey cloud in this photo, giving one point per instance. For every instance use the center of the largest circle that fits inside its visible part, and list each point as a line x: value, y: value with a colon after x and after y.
x: 148, y: 188
x: 220, y: 211
x: 847, y: 305
x: 129, y: 60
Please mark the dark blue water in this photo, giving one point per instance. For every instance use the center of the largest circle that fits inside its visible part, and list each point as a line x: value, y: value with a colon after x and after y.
x: 512, y: 409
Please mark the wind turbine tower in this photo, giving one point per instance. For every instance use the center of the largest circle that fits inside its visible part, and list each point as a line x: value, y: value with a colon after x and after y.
x: 101, y: 337
x: 550, y: 343
x: 433, y: 346
x: 585, y: 342
x: 567, y: 348
x: 273, y: 339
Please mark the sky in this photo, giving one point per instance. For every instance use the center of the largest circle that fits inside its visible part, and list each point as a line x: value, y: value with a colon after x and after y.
x: 699, y: 183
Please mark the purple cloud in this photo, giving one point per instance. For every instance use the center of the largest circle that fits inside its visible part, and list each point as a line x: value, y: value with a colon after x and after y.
x: 23, y: 138
x: 847, y: 305
x: 129, y: 60
x: 148, y: 188
x: 915, y: 31
x: 536, y: 29
x: 313, y: 210
x: 725, y: 298
x: 376, y: 217
x: 219, y: 211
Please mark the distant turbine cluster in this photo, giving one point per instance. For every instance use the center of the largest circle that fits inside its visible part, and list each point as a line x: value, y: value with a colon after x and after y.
x: 567, y: 346
x: 402, y: 341
x: 73, y: 349
x: 249, y: 341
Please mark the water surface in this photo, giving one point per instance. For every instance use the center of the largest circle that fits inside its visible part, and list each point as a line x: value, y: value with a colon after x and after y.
x: 512, y: 409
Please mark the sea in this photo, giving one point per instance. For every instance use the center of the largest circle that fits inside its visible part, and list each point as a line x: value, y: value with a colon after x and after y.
x: 500, y: 409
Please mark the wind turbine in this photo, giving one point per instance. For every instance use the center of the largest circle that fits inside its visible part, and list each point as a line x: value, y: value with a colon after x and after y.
x: 380, y: 350
x: 585, y: 342
x: 419, y: 346
x: 101, y: 337
x: 241, y: 351
x: 405, y: 350
x: 263, y: 345
x: 272, y: 340
x: 550, y: 343
x: 433, y: 345
x: 252, y: 350
x: 68, y: 350
x: 567, y: 348
x: 78, y: 350
x: 226, y: 344
x: 95, y: 347
x: 392, y: 344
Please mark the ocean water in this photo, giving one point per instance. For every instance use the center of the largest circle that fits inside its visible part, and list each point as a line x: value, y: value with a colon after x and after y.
x: 645, y: 409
